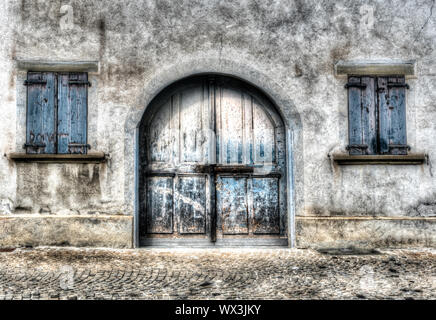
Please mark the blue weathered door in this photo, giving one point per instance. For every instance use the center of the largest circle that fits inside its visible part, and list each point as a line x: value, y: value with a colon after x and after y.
x: 250, y: 184
x: 213, y: 166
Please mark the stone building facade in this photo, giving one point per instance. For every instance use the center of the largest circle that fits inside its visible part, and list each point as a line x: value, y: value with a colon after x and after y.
x: 295, y: 59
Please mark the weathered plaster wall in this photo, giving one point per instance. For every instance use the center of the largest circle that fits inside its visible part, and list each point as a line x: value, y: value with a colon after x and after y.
x: 7, y: 114
x: 288, y: 48
x: 78, y: 231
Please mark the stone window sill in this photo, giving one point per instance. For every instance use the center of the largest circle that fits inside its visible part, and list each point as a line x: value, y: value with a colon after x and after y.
x: 346, y: 159
x: 91, y: 157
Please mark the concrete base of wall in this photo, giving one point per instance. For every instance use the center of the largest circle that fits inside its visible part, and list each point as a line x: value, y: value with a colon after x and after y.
x: 76, y: 231
x: 373, y: 232
x: 311, y: 232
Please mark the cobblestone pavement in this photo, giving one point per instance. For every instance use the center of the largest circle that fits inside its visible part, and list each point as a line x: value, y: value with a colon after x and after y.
x: 55, y: 273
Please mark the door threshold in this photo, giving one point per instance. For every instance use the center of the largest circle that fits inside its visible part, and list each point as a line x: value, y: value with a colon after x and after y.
x: 222, y: 243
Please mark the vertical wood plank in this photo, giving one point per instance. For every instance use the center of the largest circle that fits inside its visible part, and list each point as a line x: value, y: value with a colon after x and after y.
x: 248, y: 129
x: 384, y: 114
x: 191, y: 125
x: 264, y: 136
x: 231, y: 126
x: 368, y: 114
x: 160, y: 134
x: 355, y: 116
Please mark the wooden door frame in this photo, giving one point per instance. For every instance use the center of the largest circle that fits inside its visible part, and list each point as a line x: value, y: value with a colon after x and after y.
x: 291, y: 139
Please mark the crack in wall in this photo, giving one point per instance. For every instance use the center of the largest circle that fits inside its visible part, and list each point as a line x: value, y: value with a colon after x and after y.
x: 426, y: 21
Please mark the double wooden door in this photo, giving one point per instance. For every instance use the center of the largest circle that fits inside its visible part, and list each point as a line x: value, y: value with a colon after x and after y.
x: 212, y: 162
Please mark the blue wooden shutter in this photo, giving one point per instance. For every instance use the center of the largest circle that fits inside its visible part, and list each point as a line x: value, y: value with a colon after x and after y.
x: 72, y: 113
x: 362, y: 115
x: 41, y: 123
x: 392, y: 104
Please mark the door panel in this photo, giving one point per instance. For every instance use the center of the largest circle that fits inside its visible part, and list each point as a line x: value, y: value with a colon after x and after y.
x: 191, y: 205
x: 232, y: 206
x: 160, y: 205
x: 266, y: 208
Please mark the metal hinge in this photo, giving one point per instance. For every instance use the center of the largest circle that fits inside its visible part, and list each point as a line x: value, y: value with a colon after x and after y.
x: 398, y: 85
x: 80, y: 82
x: 35, y: 145
x: 30, y: 82
x: 78, y: 148
x: 356, y: 85
x: 399, y: 146
x: 357, y: 146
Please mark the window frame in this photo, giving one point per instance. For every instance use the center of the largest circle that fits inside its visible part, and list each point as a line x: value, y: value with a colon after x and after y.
x: 393, y: 149
x: 57, y: 75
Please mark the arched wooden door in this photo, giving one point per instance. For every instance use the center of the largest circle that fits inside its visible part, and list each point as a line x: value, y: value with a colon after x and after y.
x: 213, y: 167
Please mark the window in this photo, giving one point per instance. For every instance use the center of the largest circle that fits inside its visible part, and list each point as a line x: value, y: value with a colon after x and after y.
x: 377, y: 115
x: 57, y: 106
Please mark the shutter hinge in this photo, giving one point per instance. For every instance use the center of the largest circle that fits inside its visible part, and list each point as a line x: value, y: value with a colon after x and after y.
x: 78, y: 148
x: 34, y: 147
x: 355, y: 85
x: 356, y: 146
x: 30, y: 82
x: 399, y: 146
x: 398, y: 85
x: 80, y: 82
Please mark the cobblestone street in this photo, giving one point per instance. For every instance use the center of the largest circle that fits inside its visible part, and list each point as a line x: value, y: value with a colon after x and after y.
x: 52, y: 273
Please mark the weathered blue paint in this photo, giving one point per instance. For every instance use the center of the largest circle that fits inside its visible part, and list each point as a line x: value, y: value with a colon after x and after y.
x: 160, y: 205
x: 191, y: 204
x: 392, y: 99
x: 384, y: 114
x: 41, y: 123
x: 369, y: 115
x: 214, y: 200
x: 266, y: 208
x: 397, y: 115
x: 377, y: 116
x: 355, y: 116
x: 72, y: 113
x: 232, y: 205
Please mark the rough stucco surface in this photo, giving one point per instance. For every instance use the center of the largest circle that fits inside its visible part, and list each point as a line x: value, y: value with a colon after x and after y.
x: 79, y: 231
x: 327, y: 233
x: 287, y: 48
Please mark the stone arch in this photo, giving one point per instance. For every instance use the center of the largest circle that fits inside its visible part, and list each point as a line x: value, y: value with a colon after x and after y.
x: 259, y: 80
